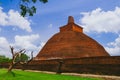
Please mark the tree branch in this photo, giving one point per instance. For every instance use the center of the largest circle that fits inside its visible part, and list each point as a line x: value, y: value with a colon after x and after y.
x: 12, y: 50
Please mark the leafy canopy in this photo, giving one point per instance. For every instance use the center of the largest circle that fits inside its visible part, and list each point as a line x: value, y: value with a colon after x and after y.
x: 22, y: 58
x: 27, y: 8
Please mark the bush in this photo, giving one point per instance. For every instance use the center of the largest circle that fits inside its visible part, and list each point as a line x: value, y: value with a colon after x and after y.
x: 4, y: 59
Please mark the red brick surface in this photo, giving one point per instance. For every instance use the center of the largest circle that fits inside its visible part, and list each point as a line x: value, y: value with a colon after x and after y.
x: 71, y: 42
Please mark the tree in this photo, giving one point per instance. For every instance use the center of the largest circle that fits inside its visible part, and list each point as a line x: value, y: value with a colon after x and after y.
x: 22, y: 58
x: 26, y: 8
x: 19, y: 57
x: 4, y: 59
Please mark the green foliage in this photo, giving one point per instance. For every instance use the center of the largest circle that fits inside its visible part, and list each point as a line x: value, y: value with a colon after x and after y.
x: 24, y: 10
x: 26, y: 7
x: 25, y: 0
x: 22, y: 58
x: 34, y: 1
x: 4, y: 59
x: 44, y: 1
x: 25, y: 75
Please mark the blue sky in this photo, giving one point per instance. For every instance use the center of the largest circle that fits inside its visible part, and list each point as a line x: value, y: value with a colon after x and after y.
x: 99, y: 18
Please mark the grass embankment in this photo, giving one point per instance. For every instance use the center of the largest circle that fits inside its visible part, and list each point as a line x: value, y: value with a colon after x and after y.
x: 25, y: 75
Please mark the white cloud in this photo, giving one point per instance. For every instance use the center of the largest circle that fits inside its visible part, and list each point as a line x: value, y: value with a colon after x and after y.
x: 13, y: 18
x: 101, y: 21
x: 3, y: 17
x: 28, y: 42
x: 104, y: 21
x: 50, y: 25
x: 114, y: 47
x: 4, y: 46
x: 14, y: 29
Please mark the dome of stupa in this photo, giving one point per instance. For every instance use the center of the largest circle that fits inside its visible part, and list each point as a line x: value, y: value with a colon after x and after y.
x: 71, y: 42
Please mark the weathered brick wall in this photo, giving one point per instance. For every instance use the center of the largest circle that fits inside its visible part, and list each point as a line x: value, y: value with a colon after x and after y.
x: 95, y: 65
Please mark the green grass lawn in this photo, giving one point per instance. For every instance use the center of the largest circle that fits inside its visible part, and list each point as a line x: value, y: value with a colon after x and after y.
x: 25, y: 75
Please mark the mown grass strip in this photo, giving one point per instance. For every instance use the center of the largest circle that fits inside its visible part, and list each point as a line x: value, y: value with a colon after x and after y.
x: 26, y: 75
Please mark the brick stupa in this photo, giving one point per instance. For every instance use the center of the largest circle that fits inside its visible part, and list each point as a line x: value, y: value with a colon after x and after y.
x: 71, y: 42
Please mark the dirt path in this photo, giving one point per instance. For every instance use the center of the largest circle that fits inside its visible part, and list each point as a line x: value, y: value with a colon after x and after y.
x: 104, y: 77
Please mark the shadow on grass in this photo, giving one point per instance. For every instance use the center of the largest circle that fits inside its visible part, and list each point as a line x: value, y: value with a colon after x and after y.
x: 8, y: 74
x: 12, y: 76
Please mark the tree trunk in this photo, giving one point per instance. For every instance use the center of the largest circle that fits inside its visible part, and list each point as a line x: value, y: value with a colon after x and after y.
x: 10, y: 68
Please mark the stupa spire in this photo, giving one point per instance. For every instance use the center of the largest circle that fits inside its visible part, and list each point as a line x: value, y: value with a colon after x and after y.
x: 71, y: 26
x: 70, y: 19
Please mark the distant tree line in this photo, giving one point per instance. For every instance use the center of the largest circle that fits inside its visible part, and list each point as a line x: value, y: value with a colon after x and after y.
x: 23, y: 58
x: 4, y: 59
